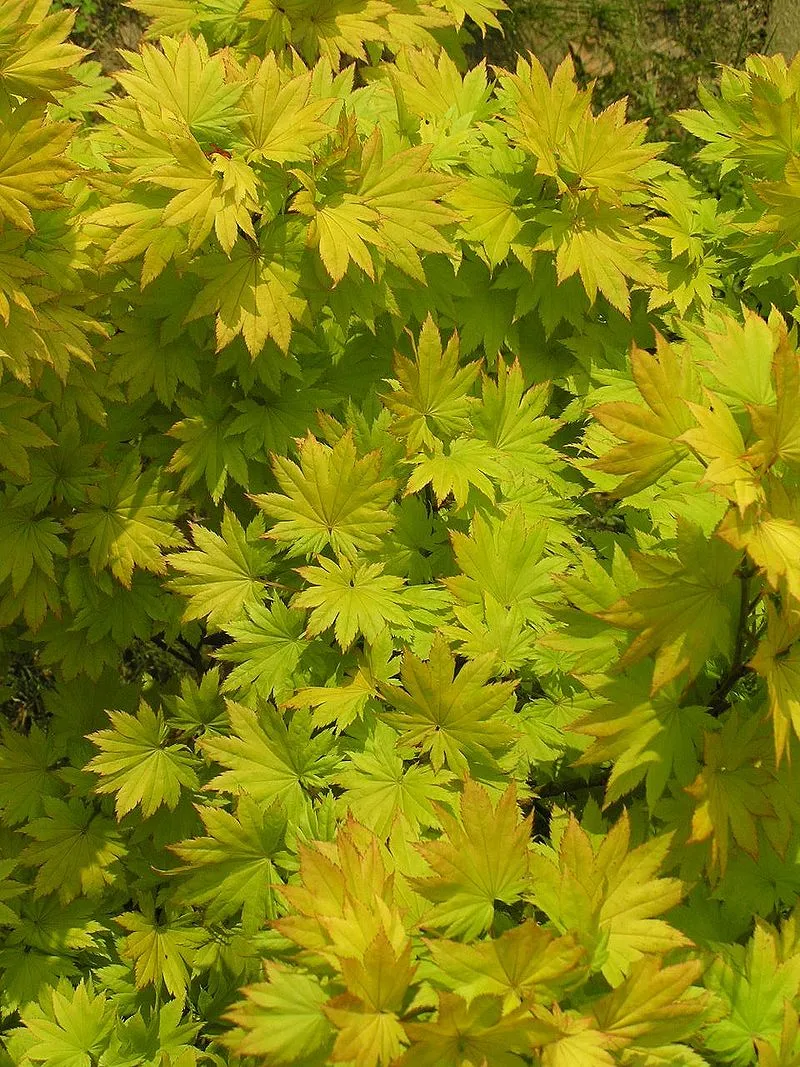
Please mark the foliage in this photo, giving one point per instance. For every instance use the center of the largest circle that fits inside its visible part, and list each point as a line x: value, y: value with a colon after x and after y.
x: 400, y: 594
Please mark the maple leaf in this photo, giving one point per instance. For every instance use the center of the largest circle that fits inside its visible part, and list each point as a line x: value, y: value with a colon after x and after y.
x: 525, y: 964
x: 70, y: 1027
x: 267, y: 647
x: 128, y: 523
x: 732, y: 792
x: 511, y: 419
x: 404, y: 192
x: 222, y: 575
x: 474, y: 1035
x: 778, y: 425
x: 645, y: 736
x: 480, y: 859
x: 282, y: 1018
x: 686, y: 611
x: 210, y: 447
x: 608, y: 896
x: 430, y: 397
x: 770, y: 534
x: 330, y: 498
x: 25, y: 778
x: 379, y: 786
x: 653, y: 437
x: 180, y: 82
x: 74, y: 850
x: 18, y: 432
x: 33, y: 162
x: 32, y: 544
x: 777, y: 660
x: 161, y: 948
x: 654, y: 1006
x: 366, y: 1016
x: 233, y: 866
x: 270, y: 760
x: 355, y: 598
x: 719, y: 441
x: 253, y: 291
x: 754, y: 982
x: 503, y: 559
x: 35, y: 56
x: 137, y: 763
x: 451, y: 716
x: 281, y: 120
x: 467, y: 462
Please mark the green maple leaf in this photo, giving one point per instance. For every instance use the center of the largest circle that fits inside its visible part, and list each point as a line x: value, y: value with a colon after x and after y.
x: 267, y: 646
x: 31, y: 545
x: 754, y: 981
x: 281, y: 121
x: 71, y: 1027
x: 253, y: 291
x: 18, y: 432
x: 74, y: 850
x: 138, y: 764
x: 467, y: 462
x: 211, y: 447
x: 33, y: 162
x: 128, y: 523
x: 608, y: 895
x: 25, y: 778
x: 475, y: 1034
x: 430, y: 397
x: 354, y: 598
x: 233, y: 867
x: 504, y: 559
x: 222, y: 575
x: 481, y: 858
x: 651, y: 737
x: 161, y: 948
x: 282, y: 1019
x: 526, y: 963
x: 330, y: 498
x: 511, y: 419
x: 270, y: 760
x: 180, y: 85
x: 653, y: 435
x: 685, y: 611
x: 34, y: 55
x: 378, y: 785
x: 451, y: 716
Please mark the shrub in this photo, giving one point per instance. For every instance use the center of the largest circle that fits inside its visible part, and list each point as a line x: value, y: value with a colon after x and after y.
x: 400, y: 571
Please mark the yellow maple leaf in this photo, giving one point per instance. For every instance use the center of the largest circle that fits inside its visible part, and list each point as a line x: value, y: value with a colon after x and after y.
x: 777, y: 660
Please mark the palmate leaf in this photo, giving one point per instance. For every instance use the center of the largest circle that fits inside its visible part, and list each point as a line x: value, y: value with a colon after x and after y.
x: 137, y: 763
x: 354, y: 598
x: 71, y: 1027
x: 267, y: 646
x: 161, y: 947
x: 35, y: 56
x: 481, y: 858
x: 223, y: 575
x: 128, y: 522
x: 271, y: 760
x: 233, y: 867
x: 653, y: 434
x: 608, y: 895
x: 450, y: 716
x: 33, y: 163
x: 430, y: 395
x: 379, y: 787
x: 74, y: 850
x: 686, y: 609
x: 777, y: 660
x: 526, y: 963
x: 330, y: 498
